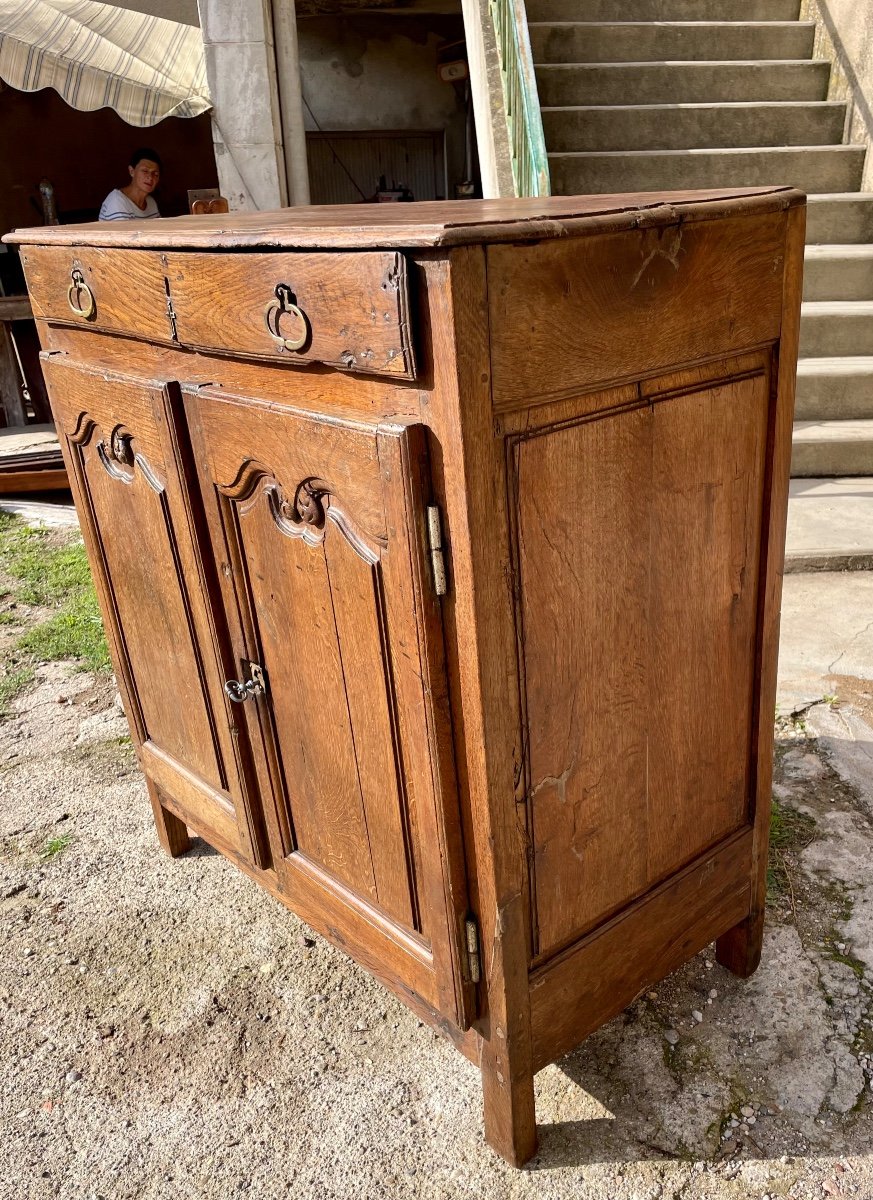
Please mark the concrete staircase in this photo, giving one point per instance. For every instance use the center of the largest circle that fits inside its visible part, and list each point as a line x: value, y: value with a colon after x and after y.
x: 643, y: 95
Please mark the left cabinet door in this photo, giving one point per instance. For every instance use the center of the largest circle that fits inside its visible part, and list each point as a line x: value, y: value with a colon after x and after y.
x: 127, y: 461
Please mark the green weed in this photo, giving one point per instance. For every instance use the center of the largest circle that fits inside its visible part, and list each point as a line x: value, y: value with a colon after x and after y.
x: 56, y: 845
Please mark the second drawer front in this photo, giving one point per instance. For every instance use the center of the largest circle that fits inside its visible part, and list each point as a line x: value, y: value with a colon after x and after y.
x: 347, y: 310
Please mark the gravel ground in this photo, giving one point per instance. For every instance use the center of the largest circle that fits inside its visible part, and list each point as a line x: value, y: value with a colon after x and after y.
x: 168, y: 1030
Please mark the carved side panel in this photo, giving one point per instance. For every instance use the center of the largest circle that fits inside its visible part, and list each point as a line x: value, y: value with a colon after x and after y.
x: 637, y: 562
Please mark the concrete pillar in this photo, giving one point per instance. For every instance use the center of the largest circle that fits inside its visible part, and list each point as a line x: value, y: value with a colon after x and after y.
x: 291, y: 100
x: 492, y: 134
x: 246, y: 122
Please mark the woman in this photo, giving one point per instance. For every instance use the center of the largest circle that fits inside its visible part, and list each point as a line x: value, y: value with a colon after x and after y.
x: 135, y: 200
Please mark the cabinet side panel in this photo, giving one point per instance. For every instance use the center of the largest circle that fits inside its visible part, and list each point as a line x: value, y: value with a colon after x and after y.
x: 582, y: 499
x: 637, y: 558
x: 708, y: 451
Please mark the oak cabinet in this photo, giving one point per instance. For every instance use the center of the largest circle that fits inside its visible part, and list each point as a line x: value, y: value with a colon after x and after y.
x: 439, y: 549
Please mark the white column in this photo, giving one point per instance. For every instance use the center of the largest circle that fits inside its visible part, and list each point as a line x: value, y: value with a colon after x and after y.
x: 492, y: 134
x: 246, y: 123
x: 291, y: 100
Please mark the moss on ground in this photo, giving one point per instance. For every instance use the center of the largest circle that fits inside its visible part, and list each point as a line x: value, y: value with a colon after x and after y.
x: 42, y: 569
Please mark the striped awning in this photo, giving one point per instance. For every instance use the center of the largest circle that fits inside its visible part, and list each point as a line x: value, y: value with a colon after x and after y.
x: 99, y: 56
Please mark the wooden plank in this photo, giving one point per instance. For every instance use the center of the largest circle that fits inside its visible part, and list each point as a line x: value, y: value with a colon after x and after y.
x: 573, y: 995
x: 357, y: 595
x: 423, y: 223
x: 584, y: 658
x: 740, y: 949
x: 11, y: 396
x: 613, y: 308
x: 624, y: 629
x: 356, y: 307
x: 128, y: 289
x: 708, y: 455
x: 15, y: 308
x: 480, y: 621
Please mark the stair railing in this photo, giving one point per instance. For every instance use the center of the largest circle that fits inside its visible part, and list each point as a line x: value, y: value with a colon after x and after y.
x: 530, y: 164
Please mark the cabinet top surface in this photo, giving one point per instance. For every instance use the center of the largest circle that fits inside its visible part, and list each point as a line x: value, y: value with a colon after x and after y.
x: 419, y: 224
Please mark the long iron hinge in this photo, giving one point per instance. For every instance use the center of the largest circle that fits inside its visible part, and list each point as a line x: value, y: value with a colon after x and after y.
x: 435, y: 544
x: 474, y: 962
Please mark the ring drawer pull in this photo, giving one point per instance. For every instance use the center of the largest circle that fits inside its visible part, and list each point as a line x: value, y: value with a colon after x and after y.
x: 276, y: 309
x: 75, y: 291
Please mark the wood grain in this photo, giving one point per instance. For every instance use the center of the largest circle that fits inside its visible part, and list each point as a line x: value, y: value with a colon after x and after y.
x: 740, y: 948
x: 578, y: 992
x: 627, y: 742
x: 573, y: 746
x: 356, y: 307
x: 423, y: 223
x: 576, y: 315
x: 129, y: 289
x: 139, y: 545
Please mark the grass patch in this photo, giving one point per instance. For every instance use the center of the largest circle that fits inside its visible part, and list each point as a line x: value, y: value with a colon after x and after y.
x: 790, y: 832
x: 39, y: 572
x: 12, y: 681
x: 56, y: 846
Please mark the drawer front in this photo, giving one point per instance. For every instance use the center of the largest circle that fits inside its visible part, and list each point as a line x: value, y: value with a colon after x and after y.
x: 121, y: 291
x: 574, y: 316
x: 346, y: 310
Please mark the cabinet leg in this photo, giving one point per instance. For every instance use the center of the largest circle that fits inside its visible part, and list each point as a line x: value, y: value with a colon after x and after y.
x: 510, y: 1118
x: 739, y: 950
x: 172, y: 832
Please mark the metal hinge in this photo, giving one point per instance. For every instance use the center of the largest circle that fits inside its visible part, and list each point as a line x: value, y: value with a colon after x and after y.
x: 474, y: 963
x: 171, y: 312
x: 435, y: 544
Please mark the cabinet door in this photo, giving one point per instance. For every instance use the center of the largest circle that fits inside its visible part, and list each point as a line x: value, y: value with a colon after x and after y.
x: 126, y: 467
x: 319, y: 532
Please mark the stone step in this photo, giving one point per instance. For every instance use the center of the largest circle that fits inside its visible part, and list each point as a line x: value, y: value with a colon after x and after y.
x: 838, y: 273
x: 670, y: 41
x: 811, y: 168
x: 840, y: 218
x: 830, y: 525
x: 835, y: 389
x: 681, y: 82
x: 661, y: 10
x: 836, y: 328
x: 693, y: 126
x: 832, y: 448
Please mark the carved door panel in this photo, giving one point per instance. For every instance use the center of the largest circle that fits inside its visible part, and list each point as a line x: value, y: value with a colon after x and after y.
x: 126, y: 467
x: 319, y: 530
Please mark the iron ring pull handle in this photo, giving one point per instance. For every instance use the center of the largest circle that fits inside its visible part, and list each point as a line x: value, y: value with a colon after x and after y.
x: 77, y: 288
x: 276, y: 309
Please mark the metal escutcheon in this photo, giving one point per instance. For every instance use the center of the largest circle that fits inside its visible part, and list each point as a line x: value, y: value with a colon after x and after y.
x: 284, y: 303
x: 75, y: 291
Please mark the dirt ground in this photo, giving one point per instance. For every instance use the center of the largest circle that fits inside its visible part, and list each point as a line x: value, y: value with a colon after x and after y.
x: 167, y: 1030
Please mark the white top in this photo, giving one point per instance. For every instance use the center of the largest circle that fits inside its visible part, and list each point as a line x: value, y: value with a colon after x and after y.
x: 118, y: 207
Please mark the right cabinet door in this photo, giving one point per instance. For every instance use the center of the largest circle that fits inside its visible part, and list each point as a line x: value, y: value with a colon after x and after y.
x: 318, y: 528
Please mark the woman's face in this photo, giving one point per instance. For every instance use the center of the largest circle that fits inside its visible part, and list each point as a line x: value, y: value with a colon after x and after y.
x: 145, y: 175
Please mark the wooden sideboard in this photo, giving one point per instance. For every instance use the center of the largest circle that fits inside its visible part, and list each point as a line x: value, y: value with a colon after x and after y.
x: 439, y: 548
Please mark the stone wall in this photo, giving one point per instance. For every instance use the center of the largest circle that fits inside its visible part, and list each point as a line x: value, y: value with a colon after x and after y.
x: 844, y: 36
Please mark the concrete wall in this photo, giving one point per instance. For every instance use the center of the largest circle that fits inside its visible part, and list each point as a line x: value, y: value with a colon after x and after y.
x: 371, y: 72
x: 85, y: 155
x: 844, y: 35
